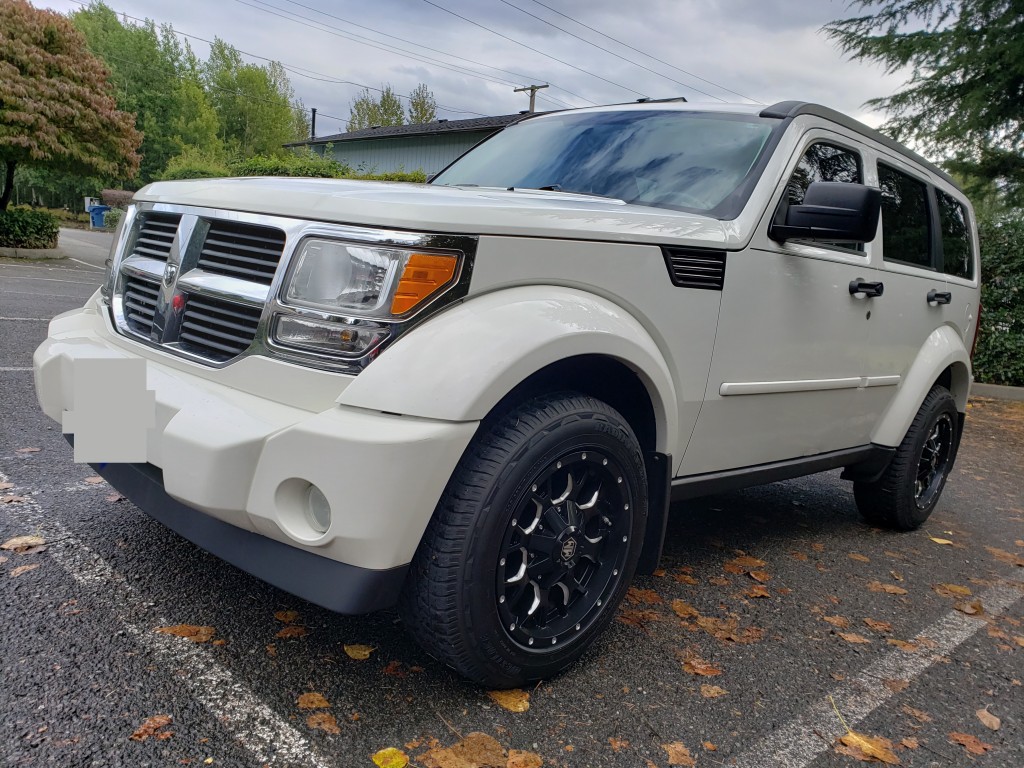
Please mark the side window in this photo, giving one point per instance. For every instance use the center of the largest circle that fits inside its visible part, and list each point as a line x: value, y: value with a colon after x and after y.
x: 905, y: 233
x: 823, y: 162
x: 956, y: 237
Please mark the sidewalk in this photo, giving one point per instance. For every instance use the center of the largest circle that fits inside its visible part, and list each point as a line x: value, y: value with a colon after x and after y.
x: 90, y: 246
x: 998, y: 392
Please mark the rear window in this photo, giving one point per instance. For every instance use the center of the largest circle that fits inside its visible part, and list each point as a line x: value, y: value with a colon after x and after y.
x: 957, y: 258
x: 905, y: 223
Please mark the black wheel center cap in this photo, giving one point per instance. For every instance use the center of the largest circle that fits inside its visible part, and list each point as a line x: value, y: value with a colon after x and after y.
x: 567, y: 545
x: 568, y: 550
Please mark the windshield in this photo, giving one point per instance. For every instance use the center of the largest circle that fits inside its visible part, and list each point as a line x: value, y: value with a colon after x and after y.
x: 669, y: 159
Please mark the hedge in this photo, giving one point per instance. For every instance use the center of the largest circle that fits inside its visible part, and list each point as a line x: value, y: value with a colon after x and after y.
x: 999, y: 358
x: 193, y: 165
x: 28, y: 228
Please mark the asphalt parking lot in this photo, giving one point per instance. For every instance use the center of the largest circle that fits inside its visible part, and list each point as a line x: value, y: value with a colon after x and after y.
x: 778, y: 622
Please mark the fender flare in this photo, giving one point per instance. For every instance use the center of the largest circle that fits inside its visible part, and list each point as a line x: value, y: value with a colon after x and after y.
x: 944, y: 348
x: 458, y: 365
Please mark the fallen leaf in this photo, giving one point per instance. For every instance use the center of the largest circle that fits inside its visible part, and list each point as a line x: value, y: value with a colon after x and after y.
x: 291, y: 631
x: 867, y: 748
x: 951, y: 590
x: 476, y: 749
x: 719, y: 581
x: 801, y: 556
x: 917, y: 714
x: 313, y: 700
x: 896, y: 686
x: 114, y: 497
x: 358, y: 652
x: 712, y: 691
x: 1019, y: 640
x: 853, y: 637
x: 23, y: 569
x: 971, y: 743
x: 910, y: 742
x: 208, y: 761
x: 515, y: 700
x: 684, y: 610
x: 394, y: 669
x: 323, y: 721
x: 645, y: 596
x: 94, y: 480
x: 28, y: 450
x: 896, y: 575
x: 743, y: 564
x: 271, y: 650
x: 892, y: 589
x: 762, y: 576
x: 618, y: 745
x: 940, y: 541
x: 518, y: 758
x: 989, y: 720
x: 685, y: 578
x: 859, y: 557
x: 13, y: 499
x: 695, y: 665
x: 678, y: 754
x: 818, y: 547
x: 633, y: 617
x: 973, y: 608
x: 190, y: 632
x: 878, y: 626
x: 1005, y: 557
x: 837, y: 621
x: 390, y: 757
x: 710, y: 746
x: 3, y: 559
x: 287, y: 617
x: 20, y: 544
x: 658, y: 573
x: 150, y: 726
x: 904, y: 645
x: 7, y: 486
x: 758, y: 590
x: 220, y: 642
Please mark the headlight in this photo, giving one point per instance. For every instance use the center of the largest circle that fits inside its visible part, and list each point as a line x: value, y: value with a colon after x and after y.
x: 356, y: 293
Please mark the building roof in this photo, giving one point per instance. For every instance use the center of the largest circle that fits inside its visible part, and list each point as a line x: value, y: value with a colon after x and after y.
x: 418, y: 129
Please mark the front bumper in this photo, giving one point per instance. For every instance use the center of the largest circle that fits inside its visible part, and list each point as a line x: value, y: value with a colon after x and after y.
x: 223, y: 463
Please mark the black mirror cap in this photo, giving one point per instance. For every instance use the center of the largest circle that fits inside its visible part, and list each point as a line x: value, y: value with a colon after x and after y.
x: 832, y: 211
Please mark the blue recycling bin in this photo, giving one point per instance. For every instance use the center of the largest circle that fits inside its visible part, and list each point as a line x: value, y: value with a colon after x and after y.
x: 96, y: 215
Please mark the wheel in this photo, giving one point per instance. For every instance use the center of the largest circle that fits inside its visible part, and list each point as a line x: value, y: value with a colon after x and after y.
x: 905, y: 495
x: 533, y: 544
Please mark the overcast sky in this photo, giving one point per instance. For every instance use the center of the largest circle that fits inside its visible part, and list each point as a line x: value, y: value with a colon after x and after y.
x: 766, y: 50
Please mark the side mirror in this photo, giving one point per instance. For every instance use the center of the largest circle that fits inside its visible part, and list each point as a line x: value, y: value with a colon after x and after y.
x: 832, y: 211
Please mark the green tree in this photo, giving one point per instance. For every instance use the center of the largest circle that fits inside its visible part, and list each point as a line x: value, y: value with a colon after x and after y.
x: 368, y: 110
x: 256, y: 106
x: 422, y: 105
x: 965, y: 97
x: 56, y: 105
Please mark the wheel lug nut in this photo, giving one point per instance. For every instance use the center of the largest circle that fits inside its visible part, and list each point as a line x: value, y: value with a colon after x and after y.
x: 604, y: 462
x: 577, y: 627
x: 584, y: 455
x: 502, y: 561
x: 624, y: 538
x: 615, y: 572
x: 516, y: 522
x: 512, y: 627
x: 619, y: 480
x: 501, y: 599
x: 558, y: 464
x: 530, y: 641
x: 626, y: 507
x: 554, y: 640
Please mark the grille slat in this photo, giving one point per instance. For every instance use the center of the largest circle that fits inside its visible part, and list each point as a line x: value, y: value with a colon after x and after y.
x: 156, y: 234
x: 140, y: 304
x: 217, y: 329
x: 242, y: 250
x: 696, y: 268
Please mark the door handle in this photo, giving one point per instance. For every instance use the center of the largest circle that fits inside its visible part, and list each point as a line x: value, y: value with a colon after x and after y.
x: 939, y: 297
x: 860, y: 287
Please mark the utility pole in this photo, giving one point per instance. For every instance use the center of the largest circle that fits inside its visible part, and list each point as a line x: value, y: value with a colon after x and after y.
x: 312, y: 124
x: 533, y: 94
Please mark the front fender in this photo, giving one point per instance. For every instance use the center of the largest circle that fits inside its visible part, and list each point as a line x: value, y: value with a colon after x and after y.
x: 943, y: 349
x: 459, y: 365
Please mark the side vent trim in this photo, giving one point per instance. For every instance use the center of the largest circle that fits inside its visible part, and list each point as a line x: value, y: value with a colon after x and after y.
x: 695, y: 267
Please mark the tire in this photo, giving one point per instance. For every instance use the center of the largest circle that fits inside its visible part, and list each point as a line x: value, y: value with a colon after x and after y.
x: 907, y: 492
x: 512, y: 533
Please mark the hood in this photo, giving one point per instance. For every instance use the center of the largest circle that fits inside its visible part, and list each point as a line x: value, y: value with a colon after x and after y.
x: 449, y: 210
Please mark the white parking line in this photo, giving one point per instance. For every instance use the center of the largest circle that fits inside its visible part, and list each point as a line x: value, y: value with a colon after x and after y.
x: 799, y: 742
x: 47, y: 279
x: 27, y: 319
x: 86, y: 263
x: 12, y: 369
x: 264, y: 733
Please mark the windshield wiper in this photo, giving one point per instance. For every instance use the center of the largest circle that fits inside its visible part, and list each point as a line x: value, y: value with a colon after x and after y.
x: 558, y: 188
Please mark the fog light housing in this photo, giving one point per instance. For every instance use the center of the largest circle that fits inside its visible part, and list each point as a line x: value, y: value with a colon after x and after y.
x: 353, y: 338
x: 318, y: 510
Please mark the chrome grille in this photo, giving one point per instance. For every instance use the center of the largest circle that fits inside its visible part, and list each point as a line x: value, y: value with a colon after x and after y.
x: 242, y: 250
x: 217, y: 329
x: 155, y: 235
x: 140, y: 304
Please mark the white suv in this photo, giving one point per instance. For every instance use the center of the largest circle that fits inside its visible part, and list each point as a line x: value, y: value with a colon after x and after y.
x: 477, y: 398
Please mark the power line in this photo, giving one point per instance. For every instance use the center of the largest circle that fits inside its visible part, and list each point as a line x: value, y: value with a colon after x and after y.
x: 645, y: 53
x: 611, y: 53
x: 535, y: 50
x: 293, y: 68
x: 337, y: 32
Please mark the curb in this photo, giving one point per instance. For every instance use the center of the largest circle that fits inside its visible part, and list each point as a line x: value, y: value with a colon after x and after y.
x: 33, y: 254
x: 997, y: 391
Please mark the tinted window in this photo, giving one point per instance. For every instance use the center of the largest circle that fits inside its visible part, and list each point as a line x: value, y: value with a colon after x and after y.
x: 956, y: 237
x: 823, y: 162
x: 905, y: 234
x: 669, y: 159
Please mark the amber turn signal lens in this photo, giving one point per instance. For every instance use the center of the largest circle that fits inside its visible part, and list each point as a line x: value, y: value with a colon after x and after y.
x: 424, y: 275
